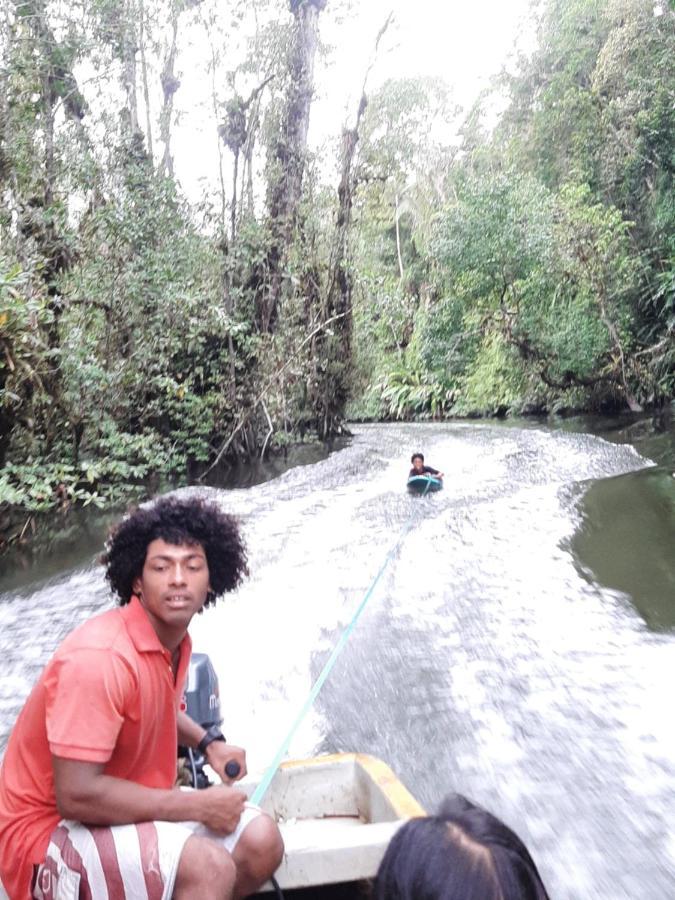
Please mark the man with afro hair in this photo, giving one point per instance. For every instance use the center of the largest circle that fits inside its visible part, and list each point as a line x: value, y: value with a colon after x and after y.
x: 88, y: 803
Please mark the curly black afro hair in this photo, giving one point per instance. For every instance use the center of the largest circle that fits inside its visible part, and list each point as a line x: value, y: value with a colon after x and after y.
x: 176, y: 521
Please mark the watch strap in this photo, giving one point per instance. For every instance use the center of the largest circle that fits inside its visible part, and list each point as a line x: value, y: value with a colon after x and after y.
x: 213, y: 733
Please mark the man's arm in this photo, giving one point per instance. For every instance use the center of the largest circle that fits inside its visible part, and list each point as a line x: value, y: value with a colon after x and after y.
x: 218, y: 753
x: 85, y: 794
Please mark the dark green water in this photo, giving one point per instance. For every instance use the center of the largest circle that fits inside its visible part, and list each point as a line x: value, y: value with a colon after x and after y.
x: 626, y: 541
x: 626, y: 536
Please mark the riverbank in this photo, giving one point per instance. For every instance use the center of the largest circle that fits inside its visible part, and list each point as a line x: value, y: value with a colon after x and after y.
x: 64, y: 532
x: 56, y: 510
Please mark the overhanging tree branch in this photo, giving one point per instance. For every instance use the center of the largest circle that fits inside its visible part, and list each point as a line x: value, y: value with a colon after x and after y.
x: 243, y: 419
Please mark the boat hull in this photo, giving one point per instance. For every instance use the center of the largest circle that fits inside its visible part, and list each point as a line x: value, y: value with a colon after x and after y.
x: 337, y: 815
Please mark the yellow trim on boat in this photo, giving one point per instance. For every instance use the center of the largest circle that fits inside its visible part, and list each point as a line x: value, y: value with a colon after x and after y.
x: 402, y: 801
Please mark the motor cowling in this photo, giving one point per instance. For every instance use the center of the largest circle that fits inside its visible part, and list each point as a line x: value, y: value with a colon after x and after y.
x: 202, y: 704
x: 202, y: 696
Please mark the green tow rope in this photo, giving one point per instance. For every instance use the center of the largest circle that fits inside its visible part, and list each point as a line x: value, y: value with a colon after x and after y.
x: 261, y: 789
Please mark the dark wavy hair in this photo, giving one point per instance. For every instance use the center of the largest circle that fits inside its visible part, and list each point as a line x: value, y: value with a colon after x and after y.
x: 462, y: 853
x: 417, y: 456
x: 177, y: 521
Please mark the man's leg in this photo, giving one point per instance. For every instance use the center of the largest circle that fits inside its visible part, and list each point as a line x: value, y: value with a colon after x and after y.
x: 255, y: 845
x: 205, y: 871
x: 153, y: 860
x: 257, y: 855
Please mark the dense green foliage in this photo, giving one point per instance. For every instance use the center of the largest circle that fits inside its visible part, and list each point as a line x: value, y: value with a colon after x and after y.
x: 137, y: 328
x: 537, y: 270
x: 460, y: 264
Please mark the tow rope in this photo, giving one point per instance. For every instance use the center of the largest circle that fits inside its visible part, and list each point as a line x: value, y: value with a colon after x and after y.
x: 264, y: 784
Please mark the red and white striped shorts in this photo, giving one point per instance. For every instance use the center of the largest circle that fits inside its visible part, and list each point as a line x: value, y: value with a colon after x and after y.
x: 120, y: 862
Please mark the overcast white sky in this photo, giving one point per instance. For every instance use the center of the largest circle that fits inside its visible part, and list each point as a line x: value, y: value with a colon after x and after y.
x: 464, y: 43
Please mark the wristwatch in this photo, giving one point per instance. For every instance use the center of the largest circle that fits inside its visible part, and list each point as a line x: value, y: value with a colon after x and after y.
x: 213, y: 733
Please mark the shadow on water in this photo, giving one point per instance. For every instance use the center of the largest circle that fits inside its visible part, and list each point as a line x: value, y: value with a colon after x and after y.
x: 74, y: 539
x: 63, y: 544
x: 626, y: 535
x: 626, y: 538
x: 653, y: 436
x: 257, y: 471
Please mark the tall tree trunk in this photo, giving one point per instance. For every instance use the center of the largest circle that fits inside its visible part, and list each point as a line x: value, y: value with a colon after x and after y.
x: 4, y: 108
x: 290, y: 154
x: 170, y: 85
x: 128, y: 41
x: 246, y: 202
x: 144, y: 78
x: 397, y: 217
x: 38, y: 214
x: 233, y: 204
x: 333, y: 351
x: 225, y: 241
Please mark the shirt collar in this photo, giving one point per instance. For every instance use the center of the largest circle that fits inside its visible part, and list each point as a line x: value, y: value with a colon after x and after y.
x: 142, y: 633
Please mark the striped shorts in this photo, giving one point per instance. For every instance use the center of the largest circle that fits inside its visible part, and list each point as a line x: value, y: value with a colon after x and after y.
x: 120, y: 862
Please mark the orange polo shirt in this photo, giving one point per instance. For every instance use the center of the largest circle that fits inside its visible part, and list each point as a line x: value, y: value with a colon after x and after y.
x: 106, y: 696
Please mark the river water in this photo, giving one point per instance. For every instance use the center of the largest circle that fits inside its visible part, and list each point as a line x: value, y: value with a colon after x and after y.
x: 519, y: 647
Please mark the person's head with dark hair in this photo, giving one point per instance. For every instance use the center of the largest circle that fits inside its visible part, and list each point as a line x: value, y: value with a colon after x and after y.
x: 415, y: 456
x: 180, y: 522
x: 462, y: 853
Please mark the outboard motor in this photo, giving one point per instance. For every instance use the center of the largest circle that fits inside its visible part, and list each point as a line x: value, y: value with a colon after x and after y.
x: 202, y: 696
x: 202, y: 703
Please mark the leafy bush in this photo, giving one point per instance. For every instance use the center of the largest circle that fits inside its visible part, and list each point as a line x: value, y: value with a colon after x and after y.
x: 495, y: 381
x: 414, y: 394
